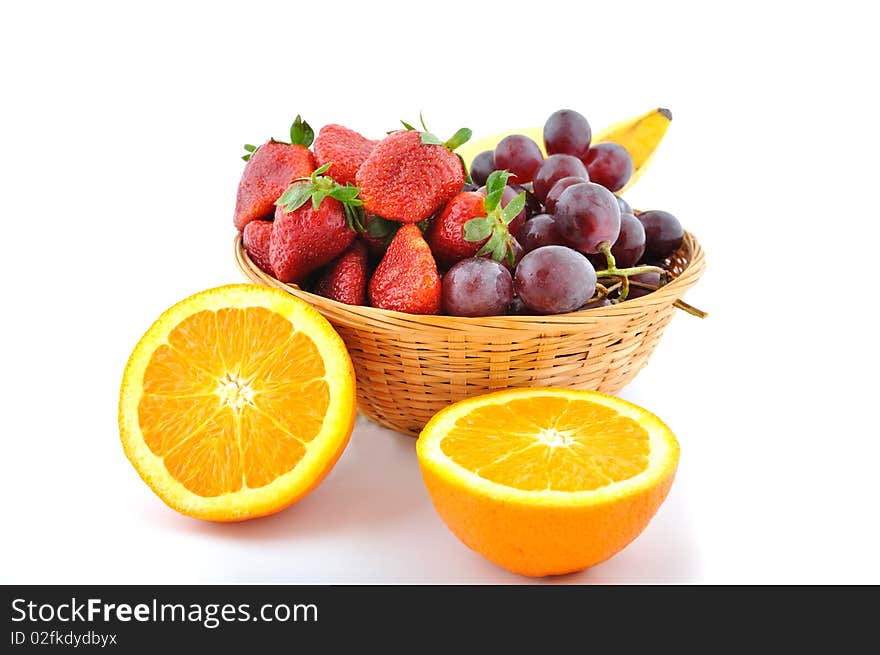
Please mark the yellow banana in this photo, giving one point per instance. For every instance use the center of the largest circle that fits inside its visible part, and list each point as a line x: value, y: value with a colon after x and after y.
x: 640, y: 136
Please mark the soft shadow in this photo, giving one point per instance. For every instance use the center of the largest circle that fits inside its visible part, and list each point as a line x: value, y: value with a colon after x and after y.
x: 370, y: 486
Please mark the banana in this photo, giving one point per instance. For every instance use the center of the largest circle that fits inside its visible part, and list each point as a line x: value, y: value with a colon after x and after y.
x: 640, y: 136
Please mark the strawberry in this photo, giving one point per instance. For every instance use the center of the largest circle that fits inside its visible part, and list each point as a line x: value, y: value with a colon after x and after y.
x: 474, y: 225
x: 269, y: 170
x: 410, y: 174
x: 255, y: 239
x: 377, y: 234
x: 307, y: 235
x: 406, y: 279
x: 345, y: 280
x: 345, y: 149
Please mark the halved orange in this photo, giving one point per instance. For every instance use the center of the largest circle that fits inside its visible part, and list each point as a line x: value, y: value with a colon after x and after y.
x: 545, y: 481
x: 237, y: 402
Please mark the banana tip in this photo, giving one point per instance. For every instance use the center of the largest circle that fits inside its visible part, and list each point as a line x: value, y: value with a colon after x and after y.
x: 666, y: 113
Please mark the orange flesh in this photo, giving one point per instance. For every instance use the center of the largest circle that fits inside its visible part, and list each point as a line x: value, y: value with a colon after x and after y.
x: 549, y: 443
x: 233, y: 399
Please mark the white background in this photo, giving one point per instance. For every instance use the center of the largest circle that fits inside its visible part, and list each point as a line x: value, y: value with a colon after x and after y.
x: 122, y: 130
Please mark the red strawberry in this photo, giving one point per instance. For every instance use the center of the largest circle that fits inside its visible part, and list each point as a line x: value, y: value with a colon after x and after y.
x: 255, y: 239
x: 472, y: 224
x: 345, y: 149
x: 313, y: 225
x: 411, y: 174
x: 345, y: 280
x: 270, y: 170
x: 407, y: 279
x: 377, y: 234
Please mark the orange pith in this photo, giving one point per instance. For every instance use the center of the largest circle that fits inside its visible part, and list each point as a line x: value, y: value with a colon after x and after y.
x: 549, y: 443
x: 226, y: 407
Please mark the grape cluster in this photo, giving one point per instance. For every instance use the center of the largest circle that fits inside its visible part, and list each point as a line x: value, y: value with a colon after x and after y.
x: 584, y: 246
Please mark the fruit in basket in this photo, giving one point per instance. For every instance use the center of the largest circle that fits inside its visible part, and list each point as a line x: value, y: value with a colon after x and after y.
x: 410, y: 175
x: 345, y: 149
x: 651, y: 279
x: 555, y: 168
x: 546, y: 481
x: 476, y: 224
x: 509, y: 193
x: 624, y: 206
x: 477, y: 286
x: 406, y: 279
x: 482, y: 167
x: 313, y: 225
x: 533, y: 205
x: 663, y: 233
x: 255, y: 238
x: 345, y: 280
x: 610, y: 165
x: 268, y: 172
x: 519, y: 155
x: 539, y: 231
x: 556, y: 190
x: 554, y: 280
x: 236, y: 402
x: 630, y: 244
x: 567, y: 132
x: 587, y: 214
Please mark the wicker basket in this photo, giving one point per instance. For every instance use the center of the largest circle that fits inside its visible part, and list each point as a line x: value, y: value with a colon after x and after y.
x: 410, y: 366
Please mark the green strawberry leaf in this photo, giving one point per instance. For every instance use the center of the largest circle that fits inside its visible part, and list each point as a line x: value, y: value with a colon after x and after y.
x: 477, y: 229
x: 301, y: 133
x: 317, y: 198
x: 423, y: 225
x: 491, y: 246
x: 251, y: 149
x: 501, y: 250
x: 322, y: 169
x: 430, y: 139
x: 295, y: 196
x: 493, y: 200
x: 407, y: 126
x: 459, y: 138
x: 379, y: 227
x: 511, y: 257
x: 354, y: 216
x: 496, y: 180
x: 346, y: 194
x: 467, y: 173
x: 514, y: 207
x: 422, y: 121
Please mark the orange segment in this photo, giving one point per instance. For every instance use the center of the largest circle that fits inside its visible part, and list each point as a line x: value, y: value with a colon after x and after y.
x: 236, y: 402
x: 544, y: 481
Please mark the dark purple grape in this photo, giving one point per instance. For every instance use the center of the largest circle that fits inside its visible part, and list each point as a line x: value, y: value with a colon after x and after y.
x: 520, y: 155
x: 630, y: 244
x: 554, y: 168
x: 567, y: 132
x: 506, y: 196
x: 558, y: 188
x: 645, y: 278
x: 663, y: 233
x: 593, y: 304
x: 539, y: 231
x: 554, y: 280
x: 533, y: 205
x: 482, y: 167
x: 477, y: 287
x: 624, y: 206
x: 518, y: 308
x: 610, y: 165
x: 586, y: 215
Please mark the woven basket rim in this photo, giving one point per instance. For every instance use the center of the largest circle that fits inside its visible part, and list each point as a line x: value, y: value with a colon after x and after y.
x: 666, y: 295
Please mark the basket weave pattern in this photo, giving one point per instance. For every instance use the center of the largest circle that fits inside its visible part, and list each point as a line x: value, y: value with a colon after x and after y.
x: 409, y: 367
